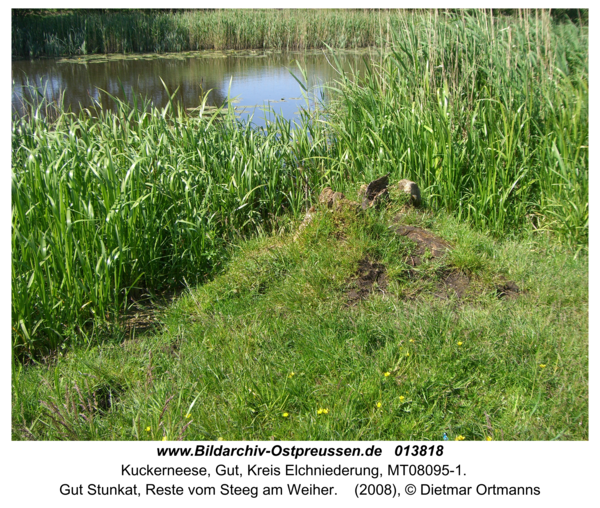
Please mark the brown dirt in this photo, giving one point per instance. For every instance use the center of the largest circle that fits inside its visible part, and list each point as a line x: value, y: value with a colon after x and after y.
x: 426, y: 242
x: 453, y: 282
x: 367, y: 275
x: 507, y: 289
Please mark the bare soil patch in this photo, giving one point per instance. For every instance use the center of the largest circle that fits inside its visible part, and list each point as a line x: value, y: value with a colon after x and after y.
x: 369, y: 277
x: 453, y: 283
x: 427, y: 243
x: 507, y: 289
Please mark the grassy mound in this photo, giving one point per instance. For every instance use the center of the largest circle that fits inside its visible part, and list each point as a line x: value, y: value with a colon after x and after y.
x: 332, y: 331
x: 489, y: 114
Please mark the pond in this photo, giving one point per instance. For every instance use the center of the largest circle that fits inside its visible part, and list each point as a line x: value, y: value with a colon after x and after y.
x: 255, y: 79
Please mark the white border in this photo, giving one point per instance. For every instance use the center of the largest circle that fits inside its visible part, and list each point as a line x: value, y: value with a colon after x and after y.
x: 566, y: 471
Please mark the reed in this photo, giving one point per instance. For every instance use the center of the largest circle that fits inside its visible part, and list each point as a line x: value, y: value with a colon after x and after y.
x: 88, y: 31
x: 105, y: 202
x: 78, y: 33
x: 490, y: 118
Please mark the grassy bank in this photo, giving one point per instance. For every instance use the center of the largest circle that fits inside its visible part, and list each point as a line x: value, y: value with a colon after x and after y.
x: 280, y: 347
x: 488, y: 115
x: 276, y: 337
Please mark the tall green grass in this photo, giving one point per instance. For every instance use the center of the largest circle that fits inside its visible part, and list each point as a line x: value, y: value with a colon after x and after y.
x: 275, y: 334
x: 489, y: 116
x: 139, y: 31
x: 107, y: 202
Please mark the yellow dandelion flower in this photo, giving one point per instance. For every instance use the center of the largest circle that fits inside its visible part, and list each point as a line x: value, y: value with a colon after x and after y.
x: 164, y: 438
x: 319, y: 411
x: 401, y: 398
x: 407, y: 354
x: 285, y: 415
x: 489, y: 438
x: 460, y: 438
x: 148, y: 429
x: 378, y: 404
x: 542, y: 365
x: 386, y: 374
x: 219, y: 439
x: 325, y: 411
x: 291, y: 375
x: 460, y: 343
x: 411, y: 340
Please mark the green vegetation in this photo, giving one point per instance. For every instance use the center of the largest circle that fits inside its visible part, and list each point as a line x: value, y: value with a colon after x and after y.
x: 491, y: 119
x: 77, y: 33
x: 104, y: 202
x: 488, y: 115
x: 278, y: 333
x: 55, y: 33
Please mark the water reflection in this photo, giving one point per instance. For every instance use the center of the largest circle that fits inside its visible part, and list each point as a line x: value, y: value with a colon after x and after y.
x: 256, y: 78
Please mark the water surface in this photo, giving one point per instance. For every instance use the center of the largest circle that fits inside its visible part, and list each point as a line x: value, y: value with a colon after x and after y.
x: 255, y: 78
